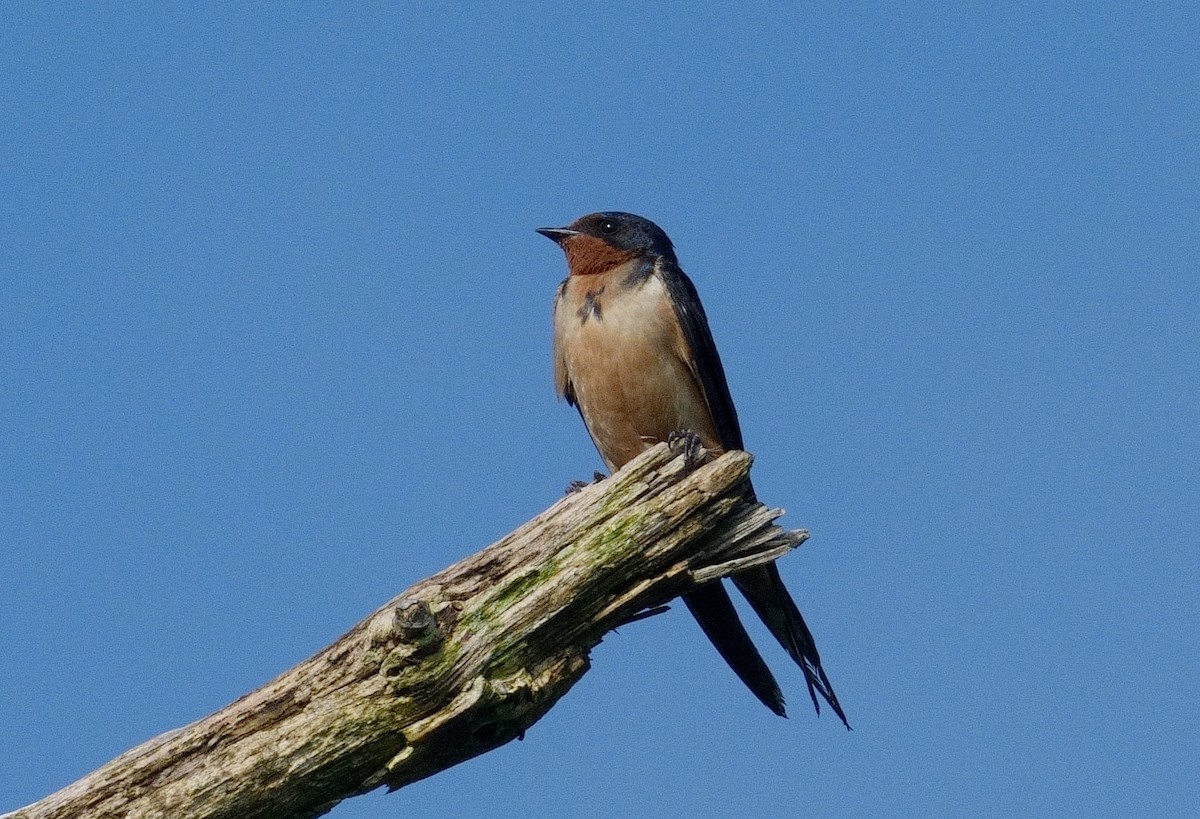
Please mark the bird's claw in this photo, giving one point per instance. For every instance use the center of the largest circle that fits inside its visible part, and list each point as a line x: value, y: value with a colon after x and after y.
x: 579, y: 486
x: 687, y: 442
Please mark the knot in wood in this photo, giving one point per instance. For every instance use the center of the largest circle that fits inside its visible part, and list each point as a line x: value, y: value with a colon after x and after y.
x: 409, y: 621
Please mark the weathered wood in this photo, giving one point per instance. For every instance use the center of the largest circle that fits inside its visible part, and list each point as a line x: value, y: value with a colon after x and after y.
x: 457, y: 665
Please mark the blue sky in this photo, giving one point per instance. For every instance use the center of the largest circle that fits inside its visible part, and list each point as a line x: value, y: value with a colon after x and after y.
x: 275, y: 345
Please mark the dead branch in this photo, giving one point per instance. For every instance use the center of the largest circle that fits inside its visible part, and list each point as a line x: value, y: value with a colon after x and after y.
x: 457, y: 665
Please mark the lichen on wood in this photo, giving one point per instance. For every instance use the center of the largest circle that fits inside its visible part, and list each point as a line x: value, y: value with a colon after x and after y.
x: 456, y: 665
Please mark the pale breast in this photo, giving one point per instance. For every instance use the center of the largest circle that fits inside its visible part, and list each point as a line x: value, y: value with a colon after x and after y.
x: 618, y: 348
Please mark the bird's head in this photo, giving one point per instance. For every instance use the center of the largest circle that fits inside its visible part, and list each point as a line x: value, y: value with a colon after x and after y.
x: 599, y: 242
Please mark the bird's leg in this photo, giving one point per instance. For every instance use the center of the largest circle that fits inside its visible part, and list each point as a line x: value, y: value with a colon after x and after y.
x: 688, y: 442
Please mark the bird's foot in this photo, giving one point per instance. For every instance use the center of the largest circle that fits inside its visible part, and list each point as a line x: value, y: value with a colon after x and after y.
x: 579, y: 486
x: 687, y: 442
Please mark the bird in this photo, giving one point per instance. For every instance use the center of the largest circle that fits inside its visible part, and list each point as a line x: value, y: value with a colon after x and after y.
x: 633, y: 353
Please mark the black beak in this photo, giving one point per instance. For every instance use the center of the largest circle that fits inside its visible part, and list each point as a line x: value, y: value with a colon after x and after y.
x: 558, y: 235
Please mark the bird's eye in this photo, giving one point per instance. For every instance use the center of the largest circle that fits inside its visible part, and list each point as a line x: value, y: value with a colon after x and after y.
x: 609, y: 227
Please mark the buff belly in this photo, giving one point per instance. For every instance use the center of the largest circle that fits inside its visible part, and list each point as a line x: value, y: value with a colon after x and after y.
x: 623, y: 354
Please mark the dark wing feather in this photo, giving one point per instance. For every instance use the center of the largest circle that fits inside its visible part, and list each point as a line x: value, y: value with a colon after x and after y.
x: 562, y: 379
x: 714, y: 611
x: 762, y: 586
x: 705, y: 363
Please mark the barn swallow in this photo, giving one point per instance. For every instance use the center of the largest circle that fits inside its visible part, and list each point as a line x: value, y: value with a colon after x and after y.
x: 634, y: 354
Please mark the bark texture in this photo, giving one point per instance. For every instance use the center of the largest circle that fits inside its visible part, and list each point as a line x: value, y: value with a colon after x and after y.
x: 455, y: 666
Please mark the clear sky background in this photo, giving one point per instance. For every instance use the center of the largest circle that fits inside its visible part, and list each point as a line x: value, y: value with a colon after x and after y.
x: 274, y: 345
